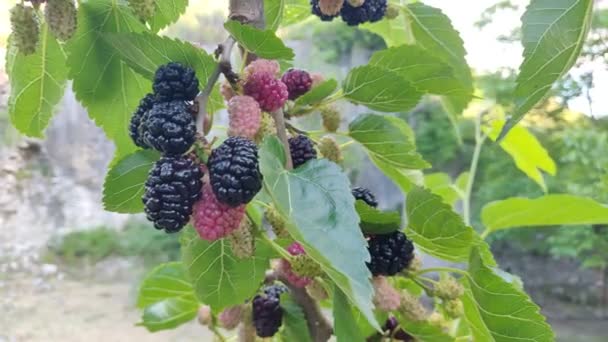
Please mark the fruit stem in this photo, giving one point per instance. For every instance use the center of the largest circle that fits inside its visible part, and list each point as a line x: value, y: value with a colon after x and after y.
x: 279, y: 120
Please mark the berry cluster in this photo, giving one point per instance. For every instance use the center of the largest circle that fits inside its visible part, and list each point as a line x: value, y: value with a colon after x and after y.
x: 59, y: 15
x: 267, y: 311
x: 352, y: 12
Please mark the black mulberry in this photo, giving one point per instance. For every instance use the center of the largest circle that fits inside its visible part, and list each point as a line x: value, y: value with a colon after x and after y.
x: 169, y: 127
x: 173, y: 185
x: 267, y: 311
x: 175, y: 81
x: 302, y: 150
x: 371, y: 11
x: 365, y: 195
x: 390, y: 253
x: 135, y: 127
x: 234, y: 171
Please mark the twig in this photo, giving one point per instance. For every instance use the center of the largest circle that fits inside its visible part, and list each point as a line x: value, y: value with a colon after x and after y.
x: 279, y: 121
x: 225, y: 50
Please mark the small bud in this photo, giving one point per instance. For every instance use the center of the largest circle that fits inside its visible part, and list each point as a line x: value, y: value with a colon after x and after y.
x: 411, y: 307
x: 331, y: 118
x: 144, y: 9
x: 267, y: 128
x: 204, y: 315
x: 392, y: 12
x: 448, y: 288
x: 330, y: 7
x: 438, y: 320
x: 415, y: 265
x: 330, y: 149
x: 453, y: 308
x: 277, y: 222
x: 242, y: 241
x: 25, y: 29
x: 386, y: 298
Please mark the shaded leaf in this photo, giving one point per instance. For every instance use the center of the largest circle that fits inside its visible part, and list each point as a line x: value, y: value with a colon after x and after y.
x: 167, y: 12
x: 265, y: 44
x: 294, y: 327
x: 493, y: 307
x: 374, y: 221
x: 553, y: 36
x: 394, y: 32
x: 345, y: 323
x: 124, y: 183
x: 380, y: 89
x: 548, y: 210
x: 37, y: 84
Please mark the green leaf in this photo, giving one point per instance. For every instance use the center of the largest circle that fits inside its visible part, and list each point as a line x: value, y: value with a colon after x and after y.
x: 493, y: 307
x: 405, y: 179
x: 553, y: 36
x: 102, y: 82
x: 427, y: 73
x: 315, y: 199
x: 441, y: 184
x: 296, y: 11
x: 166, y: 281
x: 388, y: 139
x: 345, y: 323
x: 433, y: 31
x: 37, y: 84
x: 145, y: 52
x: 265, y: 44
x: 219, y: 278
x: 169, y: 313
x: 167, y: 12
x: 374, y: 221
x: 548, y: 210
x: 318, y: 93
x: 437, y: 229
x: 394, y: 32
x: 294, y: 321
x: 527, y: 152
x: 424, y: 331
x: 462, y: 181
x: 124, y: 183
x: 273, y: 13
x: 380, y: 89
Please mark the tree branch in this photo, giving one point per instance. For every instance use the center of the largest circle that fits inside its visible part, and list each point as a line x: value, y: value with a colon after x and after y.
x: 279, y: 121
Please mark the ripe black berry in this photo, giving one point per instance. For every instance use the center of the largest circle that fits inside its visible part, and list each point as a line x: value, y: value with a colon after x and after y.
x: 371, y: 11
x: 390, y: 253
x: 316, y: 10
x: 173, y: 185
x: 174, y: 81
x: 234, y: 171
x: 169, y: 127
x: 400, y: 335
x: 267, y: 311
x: 365, y: 195
x: 135, y: 127
x: 302, y: 150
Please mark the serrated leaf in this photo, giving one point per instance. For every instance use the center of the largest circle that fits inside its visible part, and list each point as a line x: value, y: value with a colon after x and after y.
x: 294, y: 324
x: 553, y: 34
x: 388, y: 139
x: 169, y: 313
x: 374, y: 221
x: 493, y: 307
x: 263, y: 43
x: 345, y: 323
x: 423, y: 330
x: 37, y: 84
x: 315, y: 199
x: 318, y: 93
x: 405, y: 179
x: 433, y: 31
x: 296, y: 11
x: 394, y: 32
x: 145, y: 52
x: 548, y: 210
x: 426, y: 72
x: 124, y: 183
x: 380, y: 89
x: 166, y: 281
x: 273, y: 13
x: 438, y: 230
x: 167, y: 12
x: 527, y: 152
x: 102, y: 82
x: 219, y: 278
x: 441, y: 184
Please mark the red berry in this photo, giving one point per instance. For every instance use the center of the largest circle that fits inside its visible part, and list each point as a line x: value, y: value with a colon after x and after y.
x: 294, y: 249
x: 270, y: 93
x: 298, y: 82
x: 214, y: 220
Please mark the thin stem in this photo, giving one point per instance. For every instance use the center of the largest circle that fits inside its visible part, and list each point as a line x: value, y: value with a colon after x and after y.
x: 279, y: 120
x: 485, y: 233
x: 346, y: 144
x: 479, y: 141
x: 284, y: 254
x: 217, y: 333
x: 442, y: 269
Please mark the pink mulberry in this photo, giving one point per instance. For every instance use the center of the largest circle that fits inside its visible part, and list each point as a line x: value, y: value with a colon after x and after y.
x: 268, y: 91
x: 262, y: 65
x: 294, y: 279
x: 245, y: 116
x: 386, y: 297
x: 214, y: 220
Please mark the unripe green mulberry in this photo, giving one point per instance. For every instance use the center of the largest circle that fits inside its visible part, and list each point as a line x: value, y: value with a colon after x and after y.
x: 449, y: 288
x: 277, y: 222
x: 453, y: 308
x: 392, y: 11
x: 61, y: 16
x: 267, y: 128
x: 411, y: 307
x: 26, y: 29
x: 144, y: 9
x: 242, y: 241
x: 304, y: 266
x: 331, y: 118
x: 330, y: 149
